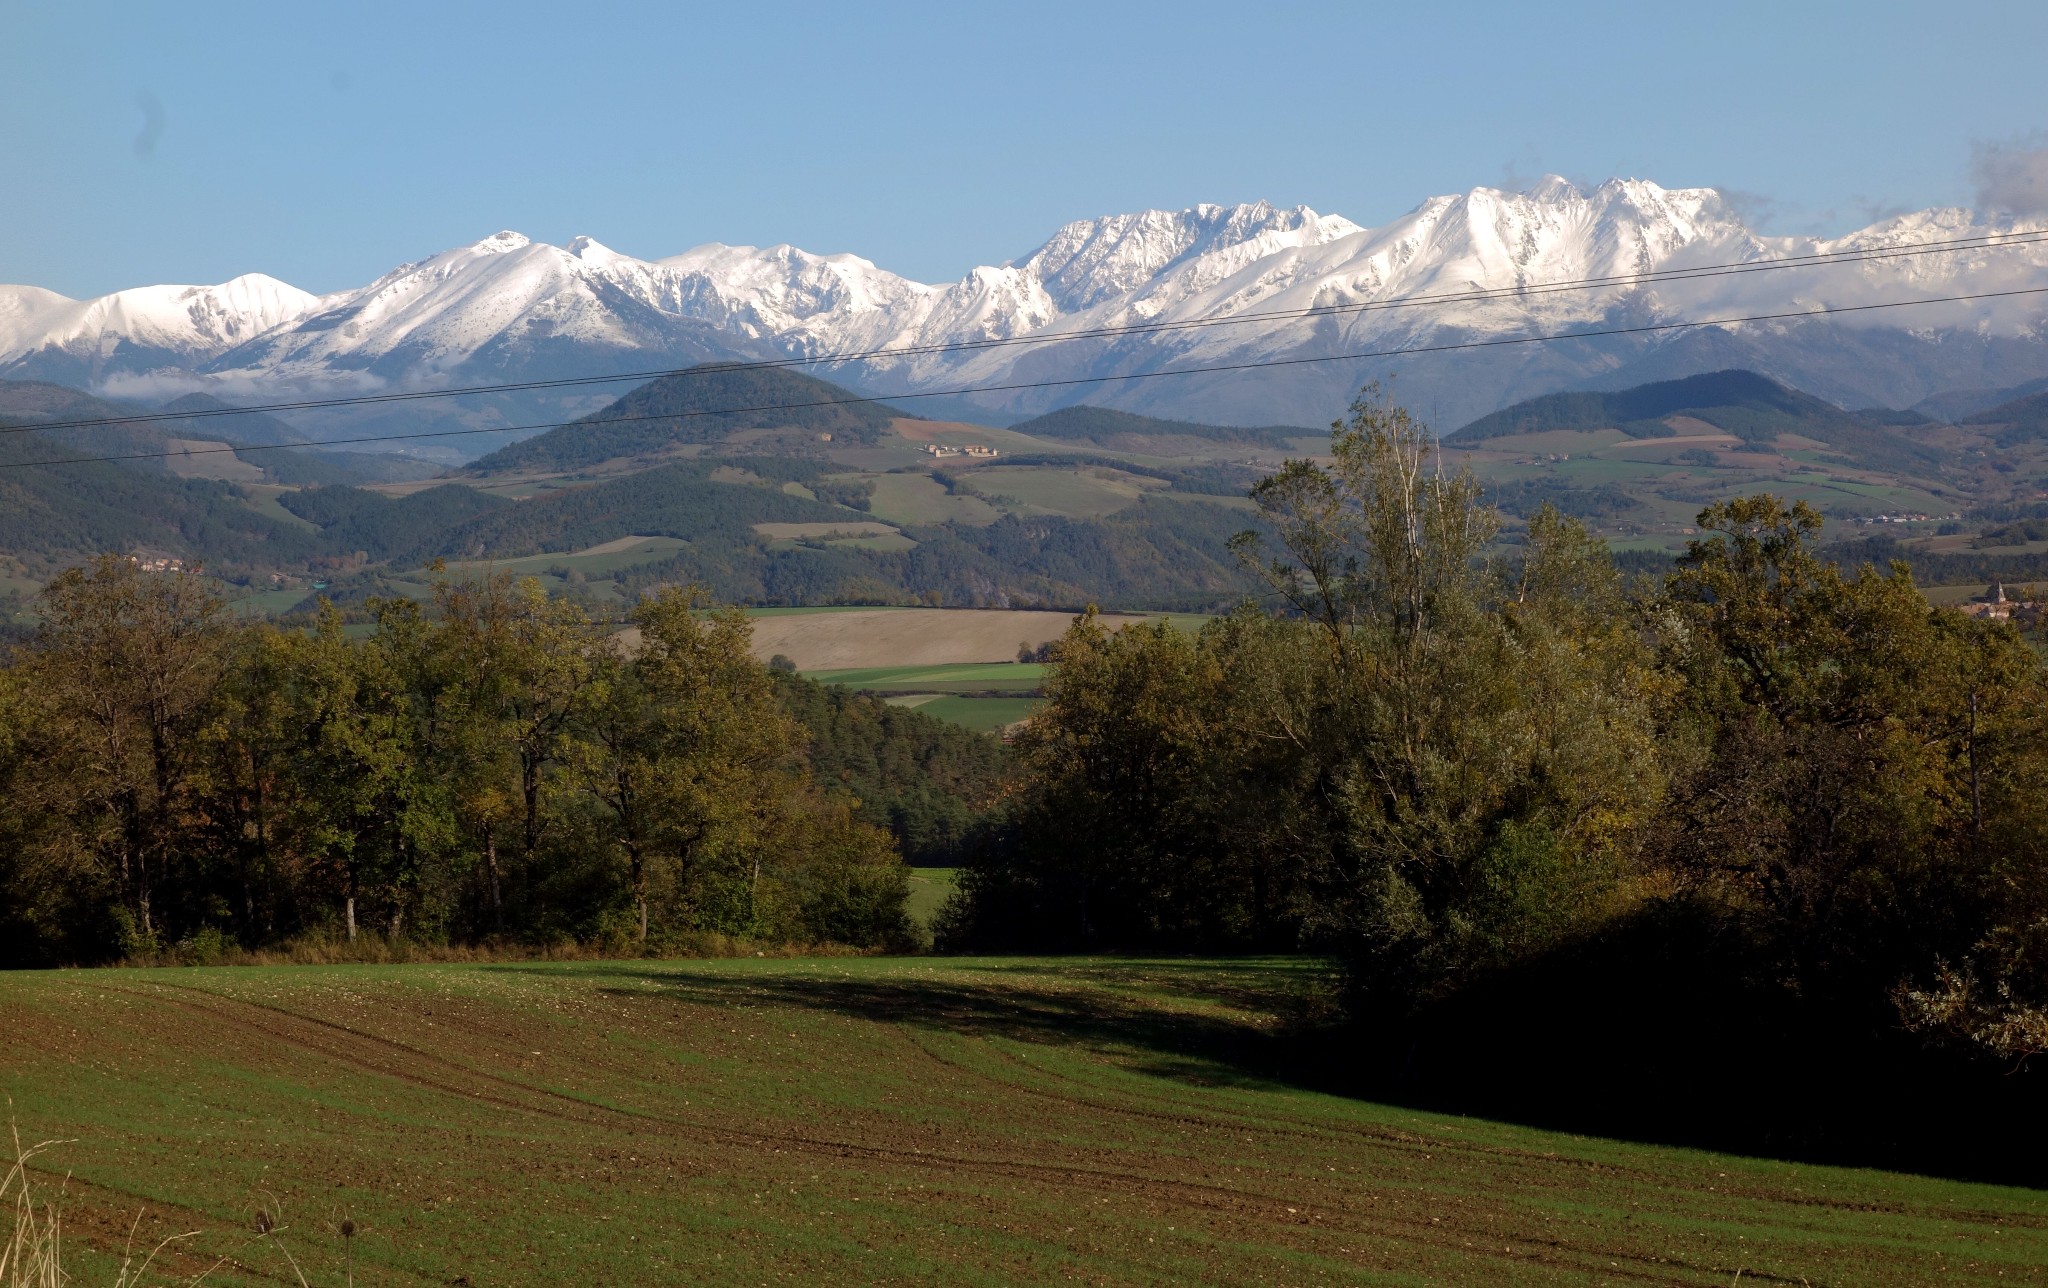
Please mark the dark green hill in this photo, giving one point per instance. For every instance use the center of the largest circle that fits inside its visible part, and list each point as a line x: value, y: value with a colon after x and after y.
x: 702, y: 405
x: 680, y: 500
x: 1105, y: 425
x: 1754, y: 408
x: 1744, y: 403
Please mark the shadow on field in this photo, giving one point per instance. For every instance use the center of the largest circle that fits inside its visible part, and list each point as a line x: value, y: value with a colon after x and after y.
x: 1094, y: 1003
x: 1641, y: 1037
x: 1668, y: 1029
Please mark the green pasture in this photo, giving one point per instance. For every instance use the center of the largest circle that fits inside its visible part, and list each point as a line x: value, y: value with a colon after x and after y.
x: 968, y: 677
x: 920, y: 499
x: 841, y: 1120
x: 598, y: 561
x: 958, y: 694
x: 267, y: 603
x: 985, y: 715
x: 1243, y: 503
x: 1087, y: 493
x: 262, y: 498
x: 929, y: 890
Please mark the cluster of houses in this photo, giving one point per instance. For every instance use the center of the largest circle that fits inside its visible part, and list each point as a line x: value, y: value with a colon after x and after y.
x: 1994, y: 604
x: 976, y: 450
x: 157, y: 563
x: 1903, y: 518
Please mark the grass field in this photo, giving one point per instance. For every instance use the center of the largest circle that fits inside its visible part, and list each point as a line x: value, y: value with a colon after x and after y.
x: 863, y: 1120
x: 960, y: 694
x: 929, y: 888
x: 919, y: 498
x: 986, y: 715
x: 1079, y: 494
x: 980, y: 678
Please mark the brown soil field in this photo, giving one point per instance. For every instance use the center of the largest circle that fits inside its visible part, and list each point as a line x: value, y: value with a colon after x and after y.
x: 855, y: 638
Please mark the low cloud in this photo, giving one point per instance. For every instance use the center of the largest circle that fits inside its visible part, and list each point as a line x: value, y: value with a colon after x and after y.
x: 2012, y: 176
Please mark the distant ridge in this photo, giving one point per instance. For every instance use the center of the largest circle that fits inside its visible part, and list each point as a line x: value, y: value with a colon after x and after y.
x: 700, y: 401
x: 2019, y: 419
x: 1959, y: 404
x: 1104, y: 424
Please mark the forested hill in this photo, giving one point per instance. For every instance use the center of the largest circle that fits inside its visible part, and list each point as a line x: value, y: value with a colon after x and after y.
x: 701, y: 405
x: 65, y: 511
x: 1753, y: 408
x: 1107, y: 426
x: 1741, y: 402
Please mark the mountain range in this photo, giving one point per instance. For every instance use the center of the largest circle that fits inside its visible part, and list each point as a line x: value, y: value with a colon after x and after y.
x: 507, y: 307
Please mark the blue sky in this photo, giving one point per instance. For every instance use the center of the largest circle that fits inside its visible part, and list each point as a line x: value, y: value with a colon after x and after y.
x: 324, y: 143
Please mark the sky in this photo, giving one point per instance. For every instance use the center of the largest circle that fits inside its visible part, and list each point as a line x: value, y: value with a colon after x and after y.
x: 324, y: 144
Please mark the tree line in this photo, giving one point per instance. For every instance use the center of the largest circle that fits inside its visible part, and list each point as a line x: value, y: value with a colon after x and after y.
x: 494, y: 767
x: 1451, y: 768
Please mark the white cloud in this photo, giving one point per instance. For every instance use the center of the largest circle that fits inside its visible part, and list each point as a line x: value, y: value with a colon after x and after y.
x: 2012, y: 176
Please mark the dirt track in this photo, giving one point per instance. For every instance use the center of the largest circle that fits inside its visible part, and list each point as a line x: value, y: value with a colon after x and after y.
x: 908, y: 636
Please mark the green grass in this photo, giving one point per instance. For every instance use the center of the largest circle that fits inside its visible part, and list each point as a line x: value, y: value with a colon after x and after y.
x: 863, y: 1120
x: 929, y: 888
x: 267, y: 603
x: 919, y: 498
x: 975, y: 677
x: 1079, y: 494
x: 983, y: 714
x: 598, y: 562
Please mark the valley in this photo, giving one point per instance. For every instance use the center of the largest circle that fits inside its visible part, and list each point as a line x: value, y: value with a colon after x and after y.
x: 835, y: 500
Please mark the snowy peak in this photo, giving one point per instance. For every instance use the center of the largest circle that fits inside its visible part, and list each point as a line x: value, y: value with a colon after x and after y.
x: 1091, y: 260
x: 501, y: 243
x: 507, y: 306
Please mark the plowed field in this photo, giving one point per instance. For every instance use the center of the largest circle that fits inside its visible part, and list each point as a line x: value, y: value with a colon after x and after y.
x: 834, y: 1121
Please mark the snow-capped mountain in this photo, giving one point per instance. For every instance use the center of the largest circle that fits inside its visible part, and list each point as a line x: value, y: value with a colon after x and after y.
x: 507, y: 307
x: 88, y: 342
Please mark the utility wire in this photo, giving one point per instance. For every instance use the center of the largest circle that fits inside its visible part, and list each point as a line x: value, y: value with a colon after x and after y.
x: 1824, y: 259
x: 1505, y: 341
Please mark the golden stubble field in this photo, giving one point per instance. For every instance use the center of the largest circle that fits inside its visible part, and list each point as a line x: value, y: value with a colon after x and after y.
x: 849, y: 639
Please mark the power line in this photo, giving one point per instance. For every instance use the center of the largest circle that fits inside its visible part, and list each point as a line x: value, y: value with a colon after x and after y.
x: 1988, y: 241
x: 1505, y: 341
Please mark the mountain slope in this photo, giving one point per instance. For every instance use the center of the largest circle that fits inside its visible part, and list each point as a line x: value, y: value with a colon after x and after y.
x: 61, y: 512
x: 31, y: 402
